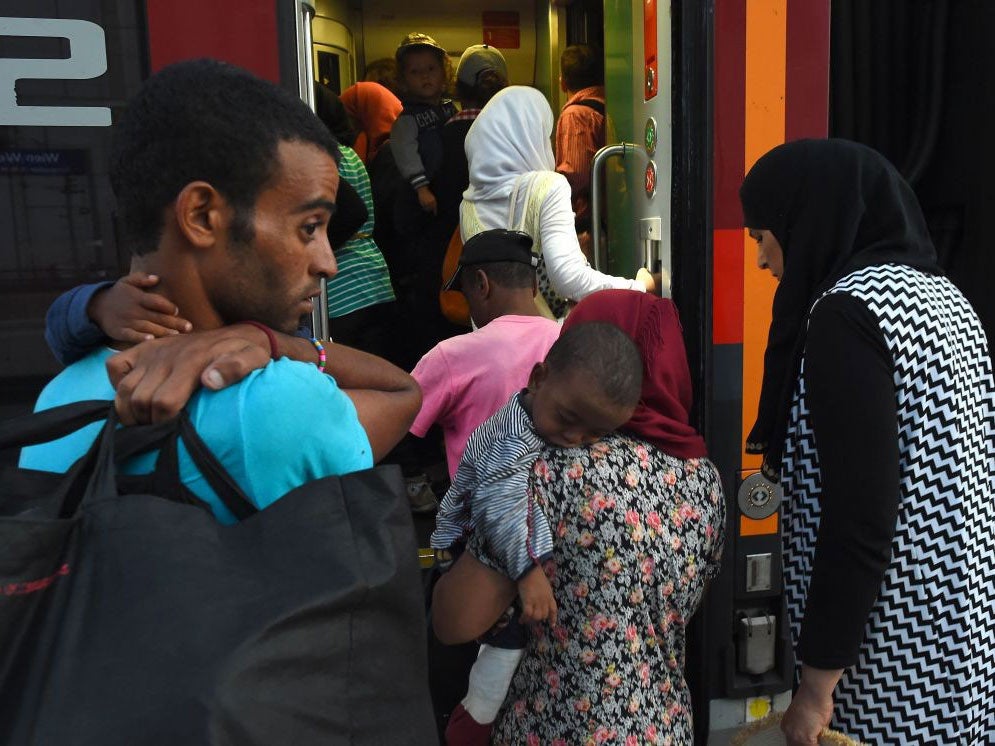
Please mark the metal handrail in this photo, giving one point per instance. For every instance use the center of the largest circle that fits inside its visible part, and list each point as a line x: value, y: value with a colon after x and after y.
x: 608, y: 151
x: 305, y: 65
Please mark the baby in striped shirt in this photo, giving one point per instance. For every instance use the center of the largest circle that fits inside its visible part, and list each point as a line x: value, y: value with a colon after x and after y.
x: 587, y: 386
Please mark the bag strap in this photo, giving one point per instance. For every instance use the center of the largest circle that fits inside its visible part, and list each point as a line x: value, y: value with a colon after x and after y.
x: 51, y: 424
x: 513, y: 200
x: 469, y: 221
x: 136, y: 439
x: 166, y: 477
x: 237, y: 502
x: 96, y: 469
x: 590, y: 103
x: 95, y: 472
x: 131, y: 441
x: 539, y: 187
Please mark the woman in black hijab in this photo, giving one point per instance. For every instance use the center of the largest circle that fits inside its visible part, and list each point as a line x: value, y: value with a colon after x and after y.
x: 877, y: 414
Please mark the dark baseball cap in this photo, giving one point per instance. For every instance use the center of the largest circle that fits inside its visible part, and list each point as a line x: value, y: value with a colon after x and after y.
x: 489, y: 247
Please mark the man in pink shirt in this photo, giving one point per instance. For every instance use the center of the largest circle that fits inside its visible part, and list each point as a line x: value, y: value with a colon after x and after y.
x: 466, y: 379
x: 580, y: 130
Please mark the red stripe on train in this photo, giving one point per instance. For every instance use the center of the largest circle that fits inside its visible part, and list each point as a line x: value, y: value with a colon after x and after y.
x: 728, y: 118
x: 245, y: 35
x: 727, y: 286
x: 807, y: 73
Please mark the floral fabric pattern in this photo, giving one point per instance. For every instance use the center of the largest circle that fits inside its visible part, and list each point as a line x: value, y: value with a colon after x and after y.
x: 637, y: 533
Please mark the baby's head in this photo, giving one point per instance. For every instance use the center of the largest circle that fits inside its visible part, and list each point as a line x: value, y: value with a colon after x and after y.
x: 587, y: 386
x: 423, y: 68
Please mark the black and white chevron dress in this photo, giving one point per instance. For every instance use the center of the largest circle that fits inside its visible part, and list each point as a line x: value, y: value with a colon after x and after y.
x: 926, y: 667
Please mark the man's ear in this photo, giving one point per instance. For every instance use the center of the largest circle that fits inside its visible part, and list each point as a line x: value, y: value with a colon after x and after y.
x: 483, y: 283
x: 201, y: 213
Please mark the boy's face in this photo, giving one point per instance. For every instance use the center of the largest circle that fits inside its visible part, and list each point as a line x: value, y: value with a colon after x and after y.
x: 424, y: 76
x: 570, y: 409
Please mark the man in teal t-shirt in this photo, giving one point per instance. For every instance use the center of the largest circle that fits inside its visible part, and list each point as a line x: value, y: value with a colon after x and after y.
x: 230, y: 212
x: 263, y: 430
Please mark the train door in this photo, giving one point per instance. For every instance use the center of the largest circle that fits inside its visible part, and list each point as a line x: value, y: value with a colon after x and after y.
x: 638, y: 170
x: 696, y: 93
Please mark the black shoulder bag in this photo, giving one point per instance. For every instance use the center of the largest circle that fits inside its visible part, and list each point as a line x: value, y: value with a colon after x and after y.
x: 129, y: 615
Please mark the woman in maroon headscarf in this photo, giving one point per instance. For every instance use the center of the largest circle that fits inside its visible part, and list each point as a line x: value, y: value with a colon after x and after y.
x: 638, y: 522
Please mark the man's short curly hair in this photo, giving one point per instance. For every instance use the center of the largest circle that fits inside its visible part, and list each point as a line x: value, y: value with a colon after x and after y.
x: 203, y: 120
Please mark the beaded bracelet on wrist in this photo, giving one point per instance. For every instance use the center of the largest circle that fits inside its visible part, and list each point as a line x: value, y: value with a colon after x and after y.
x: 322, y: 357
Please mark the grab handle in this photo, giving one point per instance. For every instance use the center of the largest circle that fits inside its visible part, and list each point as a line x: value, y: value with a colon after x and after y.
x: 608, y: 151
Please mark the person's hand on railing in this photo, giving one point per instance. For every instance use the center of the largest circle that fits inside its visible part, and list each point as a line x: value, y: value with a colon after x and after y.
x: 657, y: 283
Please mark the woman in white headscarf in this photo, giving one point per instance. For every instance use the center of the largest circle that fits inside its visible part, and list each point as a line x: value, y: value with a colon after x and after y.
x: 513, y: 185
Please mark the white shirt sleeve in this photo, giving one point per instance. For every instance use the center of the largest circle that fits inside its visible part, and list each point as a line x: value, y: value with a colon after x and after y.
x: 569, y: 273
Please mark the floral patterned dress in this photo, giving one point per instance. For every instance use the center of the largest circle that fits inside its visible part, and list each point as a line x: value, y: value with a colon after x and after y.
x: 637, y: 533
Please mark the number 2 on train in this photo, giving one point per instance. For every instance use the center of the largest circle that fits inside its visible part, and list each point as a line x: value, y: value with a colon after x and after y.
x: 87, y: 59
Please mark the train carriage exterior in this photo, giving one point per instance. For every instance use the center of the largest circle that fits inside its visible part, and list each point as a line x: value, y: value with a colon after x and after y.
x: 697, y: 90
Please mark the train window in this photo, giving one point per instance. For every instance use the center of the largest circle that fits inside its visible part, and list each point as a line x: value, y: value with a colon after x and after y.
x: 84, y: 57
x: 65, y: 69
x: 328, y: 70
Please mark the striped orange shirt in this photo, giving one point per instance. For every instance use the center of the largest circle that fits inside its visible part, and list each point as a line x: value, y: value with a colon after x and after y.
x: 580, y: 133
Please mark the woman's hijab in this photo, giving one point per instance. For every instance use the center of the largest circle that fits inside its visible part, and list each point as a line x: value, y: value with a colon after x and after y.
x: 835, y: 207
x: 510, y: 137
x: 373, y: 108
x: 662, y: 416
